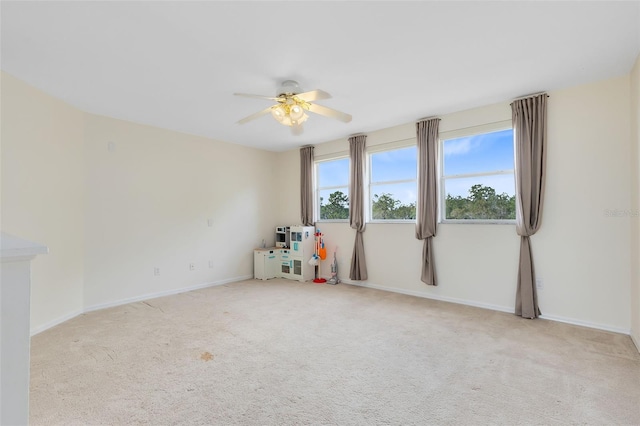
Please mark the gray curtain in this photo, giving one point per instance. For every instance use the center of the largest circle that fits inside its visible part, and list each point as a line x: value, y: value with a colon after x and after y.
x: 306, y: 185
x: 427, y: 200
x: 530, y: 134
x: 356, y: 205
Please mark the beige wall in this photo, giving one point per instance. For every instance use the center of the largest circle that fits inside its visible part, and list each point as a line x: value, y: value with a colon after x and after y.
x: 149, y: 202
x: 581, y: 253
x: 43, y: 193
x: 635, y: 203
x: 582, y: 250
x: 110, y: 217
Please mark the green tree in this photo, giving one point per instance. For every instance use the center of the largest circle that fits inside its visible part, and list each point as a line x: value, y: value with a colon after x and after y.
x: 384, y: 206
x: 406, y: 211
x: 336, y: 208
x: 481, y: 203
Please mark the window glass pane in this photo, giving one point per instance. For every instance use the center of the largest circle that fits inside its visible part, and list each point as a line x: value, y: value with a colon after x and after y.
x: 334, y: 203
x: 393, y: 201
x: 482, y: 197
x: 486, y: 152
x: 399, y: 164
x: 333, y: 173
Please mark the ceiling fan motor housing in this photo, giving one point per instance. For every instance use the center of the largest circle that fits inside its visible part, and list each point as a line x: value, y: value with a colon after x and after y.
x: 289, y: 87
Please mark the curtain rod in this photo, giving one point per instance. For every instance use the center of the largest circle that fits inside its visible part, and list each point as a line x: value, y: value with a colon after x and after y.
x: 428, y: 118
x: 529, y: 96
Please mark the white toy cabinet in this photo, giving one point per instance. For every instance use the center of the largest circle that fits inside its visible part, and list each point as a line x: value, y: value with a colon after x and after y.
x: 291, y: 262
x: 265, y: 263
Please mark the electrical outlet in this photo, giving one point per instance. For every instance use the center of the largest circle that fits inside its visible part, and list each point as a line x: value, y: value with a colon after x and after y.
x: 192, y: 266
x: 156, y: 271
x: 210, y: 222
x: 539, y: 283
x: 211, y: 264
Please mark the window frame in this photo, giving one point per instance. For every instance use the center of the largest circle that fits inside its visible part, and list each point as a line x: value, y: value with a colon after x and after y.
x: 466, y: 132
x: 316, y: 182
x: 376, y: 149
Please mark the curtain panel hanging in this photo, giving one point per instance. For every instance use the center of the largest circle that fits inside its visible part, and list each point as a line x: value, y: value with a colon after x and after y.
x: 427, y: 199
x: 306, y: 185
x: 530, y: 138
x: 358, y: 270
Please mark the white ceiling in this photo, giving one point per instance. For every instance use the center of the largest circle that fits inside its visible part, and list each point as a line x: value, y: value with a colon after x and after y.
x: 176, y: 64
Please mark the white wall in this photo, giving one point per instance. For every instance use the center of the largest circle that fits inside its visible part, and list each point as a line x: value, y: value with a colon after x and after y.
x: 110, y: 217
x: 148, y: 205
x: 43, y: 193
x: 581, y: 254
x: 635, y: 203
x: 287, y: 177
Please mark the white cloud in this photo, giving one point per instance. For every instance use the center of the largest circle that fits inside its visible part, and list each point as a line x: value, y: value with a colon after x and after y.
x: 459, y: 146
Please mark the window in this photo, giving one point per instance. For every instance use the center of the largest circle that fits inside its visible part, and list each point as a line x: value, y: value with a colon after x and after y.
x: 477, y: 179
x: 332, y: 190
x: 392, y: 184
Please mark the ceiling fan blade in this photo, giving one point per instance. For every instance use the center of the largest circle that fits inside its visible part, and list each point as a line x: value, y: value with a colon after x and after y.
x: 246, y: 95
x: 256, y: 115
x: 329, y: 112
x: 313, y: 95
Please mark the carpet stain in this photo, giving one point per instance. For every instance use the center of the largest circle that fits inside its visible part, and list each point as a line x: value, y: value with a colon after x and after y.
x: 206, y: 356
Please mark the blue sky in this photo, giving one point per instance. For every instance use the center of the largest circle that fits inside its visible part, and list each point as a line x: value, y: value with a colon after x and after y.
x: 480, y: 153
x: 398, y: 164
x: 477, y: 154
x: 333, y: 173
x: 473, y: 154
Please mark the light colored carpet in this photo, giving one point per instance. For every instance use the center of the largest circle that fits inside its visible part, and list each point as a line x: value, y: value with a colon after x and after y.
x: 287, y: 353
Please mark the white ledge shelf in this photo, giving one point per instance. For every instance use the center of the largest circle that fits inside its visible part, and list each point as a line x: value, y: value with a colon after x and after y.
x: 13, y: 248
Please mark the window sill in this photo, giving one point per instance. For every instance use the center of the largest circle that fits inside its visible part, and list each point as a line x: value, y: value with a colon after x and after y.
x: 410, y: 221
x: 476, y: 222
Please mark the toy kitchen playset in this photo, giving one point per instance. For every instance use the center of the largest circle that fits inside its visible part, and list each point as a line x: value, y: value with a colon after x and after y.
x: 295, y: 247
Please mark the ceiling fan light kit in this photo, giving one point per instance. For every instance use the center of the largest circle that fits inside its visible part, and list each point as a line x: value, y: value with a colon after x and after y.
x: 292, y: 105
x: 290, y: 112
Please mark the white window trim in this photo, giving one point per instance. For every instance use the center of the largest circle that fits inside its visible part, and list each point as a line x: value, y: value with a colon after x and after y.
x: 495, y: 126
x: 316, y: 189
x: 392, y: 145
x: 460, y: 133
x: 329, y: 157
x: 376, y: 149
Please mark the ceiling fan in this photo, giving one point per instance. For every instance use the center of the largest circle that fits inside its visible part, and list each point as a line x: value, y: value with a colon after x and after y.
x: 292, y: 104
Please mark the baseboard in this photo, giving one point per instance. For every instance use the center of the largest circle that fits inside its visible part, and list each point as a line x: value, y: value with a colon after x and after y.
x: 432, y: 296
x: 53, y: 323
x: 498, y: 308
x: 134, y: 299
x: 636, y: 341
x: 149, y: 296
x: 588, y: 324
x: 508, y: 309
